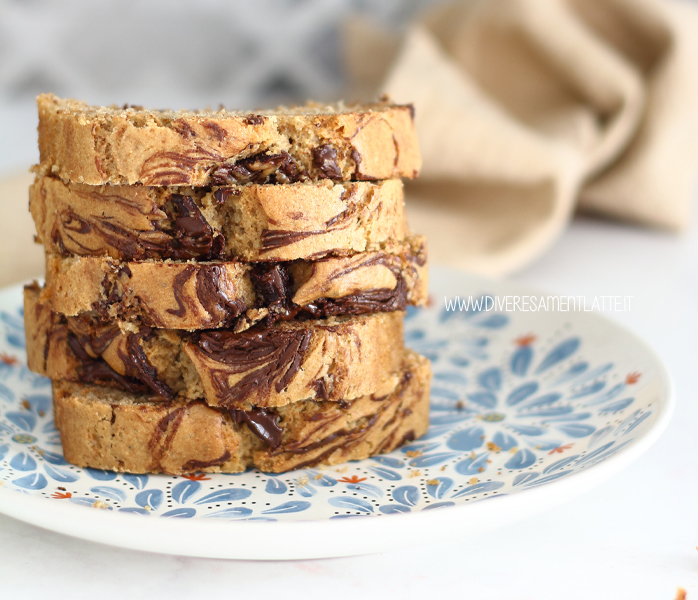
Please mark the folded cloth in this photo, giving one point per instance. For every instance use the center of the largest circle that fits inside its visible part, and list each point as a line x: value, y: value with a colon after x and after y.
x: 20, y: 258
x: 527, y: 109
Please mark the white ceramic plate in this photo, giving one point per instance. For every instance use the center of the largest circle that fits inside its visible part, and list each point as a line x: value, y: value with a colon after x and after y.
x: 529, y: 409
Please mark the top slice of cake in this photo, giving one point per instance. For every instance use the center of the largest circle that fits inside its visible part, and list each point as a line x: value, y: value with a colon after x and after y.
x: 131, y: 145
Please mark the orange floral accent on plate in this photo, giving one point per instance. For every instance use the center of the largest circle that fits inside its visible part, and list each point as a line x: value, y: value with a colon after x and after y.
x: 8, y: 359
x: 560, y: 449
x: 61, y: 495
x: 632, y: 378
x: 352, y: 479
x: 525, y: 340
x: 196, y: 477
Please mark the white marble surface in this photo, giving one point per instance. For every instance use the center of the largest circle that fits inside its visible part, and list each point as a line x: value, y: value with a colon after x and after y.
x: 633, y: 537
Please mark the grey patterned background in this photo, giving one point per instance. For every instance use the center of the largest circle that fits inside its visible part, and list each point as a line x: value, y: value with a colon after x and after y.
x: 173, y: 53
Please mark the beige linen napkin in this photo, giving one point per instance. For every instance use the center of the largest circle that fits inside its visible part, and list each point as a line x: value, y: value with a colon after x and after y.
x: 20, y: 258
x: 529, y: 108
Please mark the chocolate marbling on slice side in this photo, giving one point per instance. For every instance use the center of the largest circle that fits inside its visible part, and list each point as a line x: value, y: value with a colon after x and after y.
x: 120, y: 431
x: 131, y: 145
x: 339, y: 358
x: 246, y: 222
x: 208, y: 295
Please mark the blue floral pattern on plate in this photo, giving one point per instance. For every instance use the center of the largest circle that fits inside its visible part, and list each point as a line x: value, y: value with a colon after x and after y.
x: 518, y: 401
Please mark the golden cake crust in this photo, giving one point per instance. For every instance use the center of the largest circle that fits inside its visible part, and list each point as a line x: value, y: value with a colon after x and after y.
x: 339, y: 358
x: 97, y: 145
x: 246, y: 222
x: 207, y: 295
x: 119, y: 431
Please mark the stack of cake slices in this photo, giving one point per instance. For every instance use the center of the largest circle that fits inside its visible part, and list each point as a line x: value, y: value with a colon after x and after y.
x: 227, y: 290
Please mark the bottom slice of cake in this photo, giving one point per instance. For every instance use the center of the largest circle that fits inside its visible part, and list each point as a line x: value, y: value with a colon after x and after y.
x: 111, y: 429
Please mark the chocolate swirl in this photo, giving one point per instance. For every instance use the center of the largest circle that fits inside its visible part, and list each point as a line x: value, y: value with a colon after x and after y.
x: 273, y: 239
x: 390, y: 410
x: 176, y: 168
x: 96, y: 370
x: 325, y: 159
x: 192, y: 236
x: 260, y: 168
x: 274, y: 287
x: 267, y: 357
x: 361, y: 303
x: 193, y: 465
x: 262, y: 422
x: 209, y: 293
x: 178, y: 230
